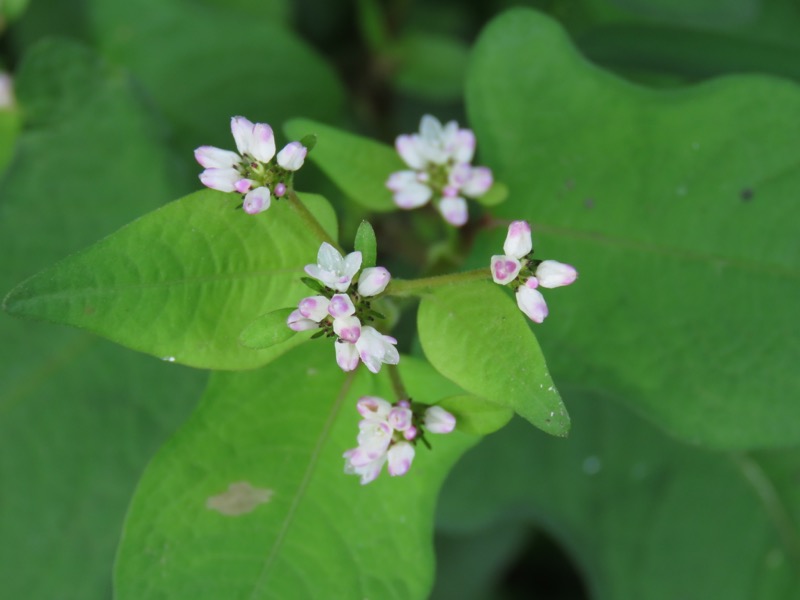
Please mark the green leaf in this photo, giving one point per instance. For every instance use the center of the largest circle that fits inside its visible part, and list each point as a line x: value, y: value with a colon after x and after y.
x: 267, y: 330
x: 249, y: 498
x: 182, y: 282
x: 203, y: 64
x: 431, y: 66
x: 474, y: 335
x: 497, y: 194
x: 637, y: 510
x: 79, y: 417
x: 357, y: 165
x: 366, y: 244
x: 9, y: 130
x: 679, y: 251
x: 475, y: 415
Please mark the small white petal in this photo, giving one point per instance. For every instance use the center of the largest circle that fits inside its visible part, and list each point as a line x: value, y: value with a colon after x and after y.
x: 298, y: 322
x: 352, y: 263
x: 397, y: 181
x: 504, y: 269
x: 438, y: 420
x: 552, y: 274
x: 464, y: 147
x: 373, y: 281
x: 454, y: 211
x: 373, y: 407
x: 408, y: 148
x: 413, y: 195
x: 329, y: 258
x: 479, y: 182
x: 242, y: 130
x: 400, y: 456
x: 223, y: 180
x: 531, y: 302
x: 256, y: 201
x: 376, y: 349
x: 210, y: 157
x: 430, y: 129
x: 518, y: 240
x: 400, y: 418
x: 292, y: 156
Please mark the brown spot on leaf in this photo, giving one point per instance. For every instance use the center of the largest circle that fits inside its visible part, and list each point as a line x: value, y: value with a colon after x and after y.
x: 239, y: 499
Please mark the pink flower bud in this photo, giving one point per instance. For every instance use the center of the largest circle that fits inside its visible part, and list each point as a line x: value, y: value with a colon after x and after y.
x: 552, y: 273
x: 292, y: 156
x: 400, y: 418
x: 280, y: 190
x: 400, y: 457
x: 410, y: 433
x: 242, y: 130
x: 518, y: 241
x: 243, y: 185
x: 262, y: 143
x: 504, y: 269
x: 373, y: 281
x: 314, y: 307
x: 222, y: 180
x: 438, y: 420
x: 454, y: 211
x: 347, y: 328
x: 531, y: 302
x: 346, y: 355
x: 256, y: 201
x: 341, y: 306
x: 210, y: 157
x: 297, y: 322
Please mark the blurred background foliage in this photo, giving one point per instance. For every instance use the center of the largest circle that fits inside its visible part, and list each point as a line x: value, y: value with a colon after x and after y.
x: 111, y: 99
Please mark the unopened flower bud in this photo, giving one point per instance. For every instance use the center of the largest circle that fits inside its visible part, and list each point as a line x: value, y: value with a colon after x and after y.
x: 341, y: 306
x: 531, y: 302
x: 280, y: 190
x: 373, y: 281
x: 400, y: 457
x: 297, y: 322
x: 400, y: 418
x: 292, y: 156
x: 314, y: 307
x: 438, y: 420
x: 518, y: 241
x: 504, y: 269
x: 552, y: 273
x: 347, y: 328
x: 256, y: 201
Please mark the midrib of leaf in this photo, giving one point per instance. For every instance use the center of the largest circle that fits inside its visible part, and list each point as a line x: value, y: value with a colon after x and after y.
x: 299, y: 495
x: 775, y: 507
x: 672, y: 252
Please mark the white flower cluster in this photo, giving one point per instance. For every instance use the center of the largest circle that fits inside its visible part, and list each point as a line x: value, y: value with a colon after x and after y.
x: 388, y: 434
x: 440, y: 158
x: 339, y: 310
x: 249, y: 172
x: 516, y: 267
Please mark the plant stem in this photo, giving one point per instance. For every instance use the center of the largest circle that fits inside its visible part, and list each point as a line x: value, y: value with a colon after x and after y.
x: 309, y: 219
x: 415, y: 287
x: 397, y: 383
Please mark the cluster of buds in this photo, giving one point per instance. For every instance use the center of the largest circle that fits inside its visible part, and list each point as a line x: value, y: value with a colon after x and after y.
x: 518, y: 269
x: 440, y: 158
x: 388, y: 433
x: 251, y: 172
x: 342, y: 307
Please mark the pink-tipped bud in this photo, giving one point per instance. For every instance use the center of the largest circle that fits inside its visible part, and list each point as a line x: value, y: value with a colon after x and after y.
x: 210, y: 157
x: 504, y: 269
x: 297, y: 322
x: 403, y: 403
x: 531, y: 302
x: 341, y: 306
x: 346, y: 355
x: 552, y: 273
x: 454, y: 211
x: 410, y: 433
x: 280, y: 190
x: 373, y: 281
x: 222, y: 180
x: 256, y: 201
x: 243, y: 185
x: 400, y: 418
x: 438, y: 420
x: 347, y: 328
x: 314, y: 307
x: 242, y: 130
x: 292, y: 156
x: 262, y: 143
x: 400, y: 456
x: 518, y: 241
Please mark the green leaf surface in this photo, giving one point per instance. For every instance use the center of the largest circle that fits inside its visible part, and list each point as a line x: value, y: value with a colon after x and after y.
x: 475, y: 415
x: 9, y: 130
x: 366, y: 244
x: 203, y: 64
x: 357, y: 165
x: 474, y: 335
x: 79, y: 417
x: 497, y: 194
x: 293, y: 525
x: 431, y: 66
x: 638, y: 511
x: 182, y: 282
x: 267, y: 330
x: 677, y: 210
